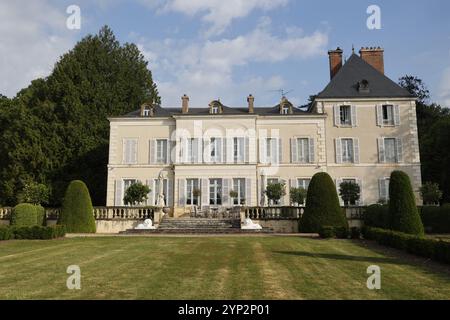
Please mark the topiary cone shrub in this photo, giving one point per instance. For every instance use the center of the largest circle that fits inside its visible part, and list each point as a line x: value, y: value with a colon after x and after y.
x: 403, y: 213
x: 322, y: 206
x: 77, y: 211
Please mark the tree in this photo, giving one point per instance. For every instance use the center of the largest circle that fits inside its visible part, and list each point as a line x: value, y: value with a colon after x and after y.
x: 322, y: 205
x: 77, y: 213
x: 297, y: 195
x: 35, y: 193
x: 350, y: 192
x: 416, y: 87
x: 275, y: 191
x: 136, y: 193
x: 430, y: 193
x: 403, y: 213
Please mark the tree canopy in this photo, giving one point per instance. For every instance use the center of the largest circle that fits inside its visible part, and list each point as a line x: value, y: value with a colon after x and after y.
x: 56, y: 130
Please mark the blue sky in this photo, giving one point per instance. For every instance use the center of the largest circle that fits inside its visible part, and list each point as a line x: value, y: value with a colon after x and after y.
x: 213, y: 49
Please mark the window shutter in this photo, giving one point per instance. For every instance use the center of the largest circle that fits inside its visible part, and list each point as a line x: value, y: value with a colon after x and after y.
x: 169, y: 192
x: 134, y: 151
x: 337, y: 116
x: 399, y: 150
x: 118, y: 198
x: 396, y: 115
x: 199, y: 142
x: 294, y: 152
x: 230, y: 153
x: 354, y: 116
x: 223, y: 150
x: 207, y: 150
x: 152, y: 151
x: 181, y: 192
x: 338, y: 150
x: 168, y: 151
x: 154, y: 191
x: 311, y: 150
x: 381, y: 154
x: 382, y: 188
x: 247, y: 150
x: 205, y: 192
x: 356, y: 150
x: 379, y: 112
x: 283, y: 198
x: 226, y: 192
x: 262, y: 150
x: 248, y: 192
x: 280, y: 151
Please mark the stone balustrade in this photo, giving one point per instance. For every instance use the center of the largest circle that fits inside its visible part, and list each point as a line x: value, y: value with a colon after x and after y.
x: 276, y: 213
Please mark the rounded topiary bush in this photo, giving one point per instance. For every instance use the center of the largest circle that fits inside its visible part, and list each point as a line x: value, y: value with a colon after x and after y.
x: 24, y: 215
x: 40, y: 215
x: 403, y: 213
x: 322, y: 205
x: 77, y: 212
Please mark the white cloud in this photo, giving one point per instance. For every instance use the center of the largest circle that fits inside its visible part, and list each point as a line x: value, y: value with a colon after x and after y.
x: 217, y: 14
x: 33, y: 37
x: 206, y: 70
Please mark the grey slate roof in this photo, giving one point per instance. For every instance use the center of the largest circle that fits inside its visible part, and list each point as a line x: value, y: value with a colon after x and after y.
x: 345, y: 82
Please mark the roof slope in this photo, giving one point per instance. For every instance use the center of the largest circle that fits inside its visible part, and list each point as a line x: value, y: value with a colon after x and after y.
x: 345, y: 82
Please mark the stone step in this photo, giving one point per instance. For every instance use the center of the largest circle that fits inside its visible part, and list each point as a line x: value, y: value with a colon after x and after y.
x: 198, y: 231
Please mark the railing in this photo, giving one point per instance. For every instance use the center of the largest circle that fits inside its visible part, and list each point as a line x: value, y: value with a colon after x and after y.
x: 261, y: 213
x: 216, y: 213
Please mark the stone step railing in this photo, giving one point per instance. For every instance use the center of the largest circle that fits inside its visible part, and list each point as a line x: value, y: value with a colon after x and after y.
x: 100, y: 213
x: 277, y: 213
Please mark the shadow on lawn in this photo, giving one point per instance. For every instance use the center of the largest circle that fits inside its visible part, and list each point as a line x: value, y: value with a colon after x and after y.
x: 333, y: 256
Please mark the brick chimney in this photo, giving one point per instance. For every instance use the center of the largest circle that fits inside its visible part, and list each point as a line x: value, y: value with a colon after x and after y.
x: 185, y: 104
x: 374, y: 57
x: 251, y: 104
x: 335, y: 61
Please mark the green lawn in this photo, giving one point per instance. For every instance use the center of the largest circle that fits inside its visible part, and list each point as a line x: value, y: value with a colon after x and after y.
x: 214, y: 268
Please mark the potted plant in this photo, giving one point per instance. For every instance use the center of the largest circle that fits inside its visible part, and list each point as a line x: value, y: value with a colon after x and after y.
x: 350, y: 192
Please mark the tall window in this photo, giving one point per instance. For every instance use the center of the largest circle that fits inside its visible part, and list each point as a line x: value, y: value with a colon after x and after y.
x: 161, y: 151
x: 384, y: 189
x: 303, y: 150
x: 388, y: 114
x: 239, y: 187
x: 216, y: 149
x: 130, y: 151
x: 390, y: 150
x: 191, y: 149
x: 347, y: 150
x: 215, y: 192
x: 346, y: 115
x: 191, y: 197
x: 126, y: 184
x: 303, y: 183
x: 238, y: 149
x: 272, y: 149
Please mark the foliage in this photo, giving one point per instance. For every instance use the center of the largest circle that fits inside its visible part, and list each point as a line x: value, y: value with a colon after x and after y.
x: 403, y: 213
x: 56, y: 130
x: 377, y: 216
x: 275, y: 191
x: 24, y: 215
x: 430, y: 193
x: 322, y: 205
x: 416, y: 87
x: 436, y: 219
x: 32, y: 233
x: 298, y: 195
x: 35, y: 193
x: 77, y: 213
x: 428, y: 248
x: 233, y: 194
x: 327, y: 232
x: 350, y: 192
x: 136, y: 193
x: 6, y: 233
x: 355, y: 233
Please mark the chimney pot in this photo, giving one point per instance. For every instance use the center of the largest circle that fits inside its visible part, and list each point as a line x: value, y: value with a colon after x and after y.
x: 335, y: 57
x: 185, y: 104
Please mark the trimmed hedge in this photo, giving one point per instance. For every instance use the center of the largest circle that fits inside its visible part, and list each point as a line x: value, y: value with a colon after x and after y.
x: 322, y: 206
x: 24, y: 215
x: 40, y: 215
x: 436, y: 219
x: 428, y: 248
x: 77, y: 211
x: 404, y: 216
x: 32, y: 233
x: 377, y: 216
x: 327, y: 232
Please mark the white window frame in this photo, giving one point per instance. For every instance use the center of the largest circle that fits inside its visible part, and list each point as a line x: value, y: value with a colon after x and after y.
x: 352, y: 150
x: 285, y: 110
x: 297, y: 180
x: 214, y: 110
x: 214, y: 190
x: 124, y: 187
x: 240, y: 189
x: 303, y: 158
x: 395, y: 150
x: 239, y: 149
x: 124, y: 151
x: 155, y: 192
x: 165, y: 153
x: 270, y: 157
x: 189, y: 194
x: 390, y: 120
x: 386, y: 181
x: 349, y: 107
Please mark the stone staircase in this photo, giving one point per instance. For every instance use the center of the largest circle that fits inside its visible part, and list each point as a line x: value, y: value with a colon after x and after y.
x: 198, y: 226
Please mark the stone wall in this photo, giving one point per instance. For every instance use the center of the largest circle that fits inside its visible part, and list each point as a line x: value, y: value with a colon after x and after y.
x: 279, y: 226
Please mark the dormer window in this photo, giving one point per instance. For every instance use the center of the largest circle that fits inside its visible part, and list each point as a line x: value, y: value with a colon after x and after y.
x: 363, y: 86
x: 146, y: 113
x: 215, y: 107
x: 215, y: 110
x: 285, y: 110
x: 147, y: 110
x: 285, y: 106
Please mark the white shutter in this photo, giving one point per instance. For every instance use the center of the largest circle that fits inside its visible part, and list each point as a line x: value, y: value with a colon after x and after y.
x: 294, y: 150
x: 230, y: 153
x: 195, y: 150
x: 337, y: 116
x: 207, y: 150
x: 168, y: 152
x: 354, y: 116
x: 223, y: 150
x: 396, y: 111
x: 382, y: 188
x: 379, y: 111
x: 356, y: 150
x: 280, y: 151
x: 226, y: 192
x: 399, y: 150
x: 283, y: 198
x: 181, y: 192
x: 262, y: 150
x: 247, y: 150
x: 134, y: 147
x: 248, y: 192
x: 311, y: 150
x: 338, y: 149
x: 199, y: 143
x: 152, y: 149
x: 205, y: 192
x: 169, y: 192
x: 118, y: 197
x: 381, y: 153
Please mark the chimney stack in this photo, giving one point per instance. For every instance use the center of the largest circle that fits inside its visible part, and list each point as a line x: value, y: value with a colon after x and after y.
x: 251, y: 104
x: 185, y: 104
x: 374, y: 57
x: 335, y: 61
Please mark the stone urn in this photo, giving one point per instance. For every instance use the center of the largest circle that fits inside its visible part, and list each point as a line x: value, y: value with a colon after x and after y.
x: 166, y: 210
